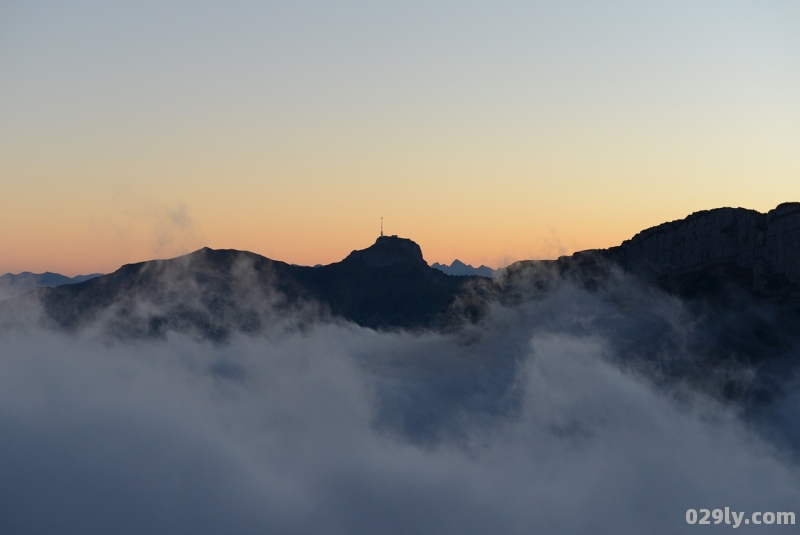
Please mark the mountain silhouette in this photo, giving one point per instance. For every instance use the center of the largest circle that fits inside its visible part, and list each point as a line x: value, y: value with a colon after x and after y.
x: 214, y: 293
x: 735, y: 272
x: 711, y: 256
x: 707, y: 252
x: 457, y: 267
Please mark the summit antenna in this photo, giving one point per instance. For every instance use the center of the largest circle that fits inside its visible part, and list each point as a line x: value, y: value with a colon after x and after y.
x: 381, y: 226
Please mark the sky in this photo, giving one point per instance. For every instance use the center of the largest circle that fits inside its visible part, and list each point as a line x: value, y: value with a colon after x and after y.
x: 488, y: 132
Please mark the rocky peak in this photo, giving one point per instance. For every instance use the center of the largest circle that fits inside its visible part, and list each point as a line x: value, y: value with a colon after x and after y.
x: 388, y: 250
x: 457, y: 267
x: 766, y: 244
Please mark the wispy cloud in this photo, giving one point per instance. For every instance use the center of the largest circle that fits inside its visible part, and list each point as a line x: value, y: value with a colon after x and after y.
x: 538, y: 419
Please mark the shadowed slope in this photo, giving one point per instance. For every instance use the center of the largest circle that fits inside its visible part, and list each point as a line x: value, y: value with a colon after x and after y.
x: 215, y: 292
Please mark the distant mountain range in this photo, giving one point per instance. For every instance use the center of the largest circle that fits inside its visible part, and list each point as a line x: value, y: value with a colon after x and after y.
x: 459, y: 268
x: 736, y: 272
x: 213, y: 293
x: 710, y: 255
x: 17, y: 284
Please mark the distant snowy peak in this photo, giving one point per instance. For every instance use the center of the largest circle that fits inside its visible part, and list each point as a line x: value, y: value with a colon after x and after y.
x: 460, y: 268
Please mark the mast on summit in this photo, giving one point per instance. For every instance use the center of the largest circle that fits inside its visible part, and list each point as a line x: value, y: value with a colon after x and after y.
x: 381, y: 226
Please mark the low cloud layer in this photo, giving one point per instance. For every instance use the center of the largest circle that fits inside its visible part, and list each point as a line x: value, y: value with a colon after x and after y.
x: 549, y: 417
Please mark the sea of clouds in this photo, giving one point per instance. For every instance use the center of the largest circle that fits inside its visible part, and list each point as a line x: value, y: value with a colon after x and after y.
x: 575, y: 412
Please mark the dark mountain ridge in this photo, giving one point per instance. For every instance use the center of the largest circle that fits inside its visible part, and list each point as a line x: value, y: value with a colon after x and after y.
x: 709, y: 255
x: 699, y: 254
x: 735, y: 271
x: 216, y: 292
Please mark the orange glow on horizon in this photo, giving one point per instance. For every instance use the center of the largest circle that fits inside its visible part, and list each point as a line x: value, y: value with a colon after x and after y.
x: 543, y: 133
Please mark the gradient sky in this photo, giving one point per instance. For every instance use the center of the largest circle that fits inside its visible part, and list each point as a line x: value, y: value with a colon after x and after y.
x: 486, y: 131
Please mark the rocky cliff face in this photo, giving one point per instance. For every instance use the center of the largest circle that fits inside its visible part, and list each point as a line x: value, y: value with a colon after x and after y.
x: 764, y: 248
x: 389, y: 250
